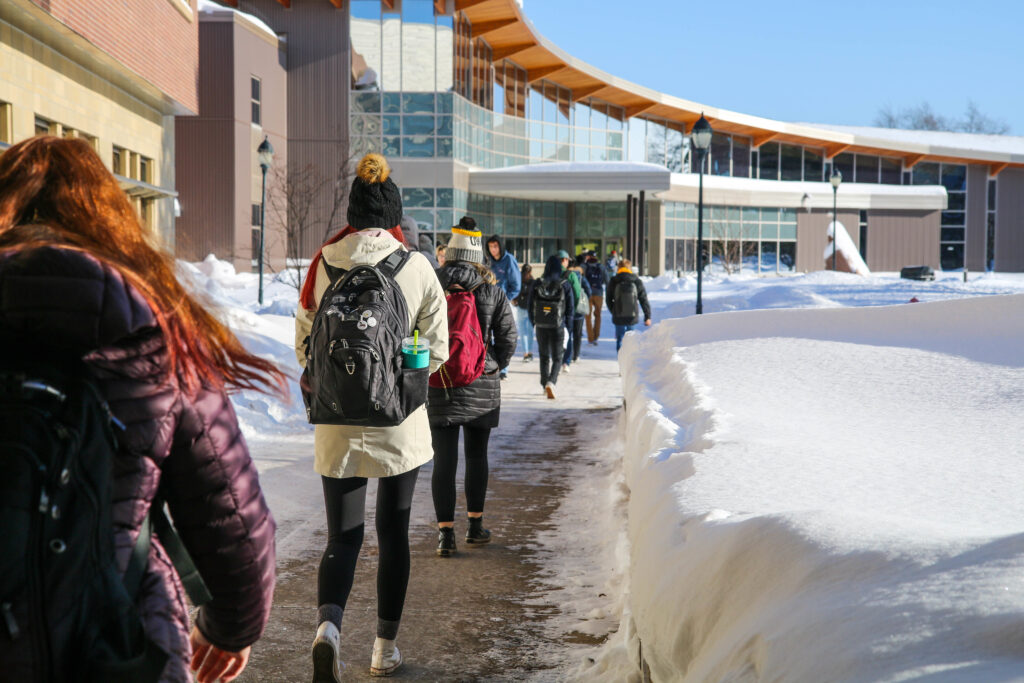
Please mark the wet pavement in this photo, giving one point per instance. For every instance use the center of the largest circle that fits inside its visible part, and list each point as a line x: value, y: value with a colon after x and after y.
x: 483, y: 615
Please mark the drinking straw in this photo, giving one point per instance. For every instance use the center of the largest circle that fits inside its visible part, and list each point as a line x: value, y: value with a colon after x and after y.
x: 415, y: 340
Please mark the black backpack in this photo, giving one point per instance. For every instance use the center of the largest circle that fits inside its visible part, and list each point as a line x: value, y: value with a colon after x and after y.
x: 65, y: 611
x: 548, y: 304
x: 594, y: 272
x: 625, y: 302
x: 354, y: 373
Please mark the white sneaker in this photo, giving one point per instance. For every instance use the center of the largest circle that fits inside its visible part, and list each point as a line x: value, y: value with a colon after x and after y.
x: 385, y: 658
x: 327, y: 665
x: 565, y: 368
x: 549, y: 389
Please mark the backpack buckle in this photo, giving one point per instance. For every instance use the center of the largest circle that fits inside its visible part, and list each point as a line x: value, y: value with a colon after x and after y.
x: 351, y: 367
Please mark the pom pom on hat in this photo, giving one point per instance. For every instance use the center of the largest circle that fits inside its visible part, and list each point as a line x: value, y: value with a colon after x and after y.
x: 373, y: 168
x: 374, y: 200
x: 466, y: 243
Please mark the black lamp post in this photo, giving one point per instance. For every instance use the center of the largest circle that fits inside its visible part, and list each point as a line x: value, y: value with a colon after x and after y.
x: 700, y: 137
x: 836, y: 178
x: 265, y: 153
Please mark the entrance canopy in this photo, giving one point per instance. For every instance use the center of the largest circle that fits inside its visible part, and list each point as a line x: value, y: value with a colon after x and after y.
x: 569, y: 181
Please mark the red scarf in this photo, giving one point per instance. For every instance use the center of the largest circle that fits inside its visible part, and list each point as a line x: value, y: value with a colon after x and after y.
x: 307, y: 297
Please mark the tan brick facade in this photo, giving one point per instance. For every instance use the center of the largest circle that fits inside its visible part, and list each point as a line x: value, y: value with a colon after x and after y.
x: 156, y: 39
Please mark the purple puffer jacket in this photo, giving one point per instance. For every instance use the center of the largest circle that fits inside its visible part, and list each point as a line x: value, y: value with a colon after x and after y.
x: 189, y: 448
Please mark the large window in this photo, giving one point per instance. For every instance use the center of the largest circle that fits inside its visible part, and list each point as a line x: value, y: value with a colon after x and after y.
x: 953, y: 222
x: 761, y: 240
x: 255, y: 96
x: 532, y: 230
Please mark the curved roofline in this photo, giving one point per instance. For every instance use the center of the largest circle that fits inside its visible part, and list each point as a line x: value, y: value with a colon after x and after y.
x: 512, y: 36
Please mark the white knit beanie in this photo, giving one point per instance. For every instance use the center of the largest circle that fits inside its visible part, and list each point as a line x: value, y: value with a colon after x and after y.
x: 466, y: 243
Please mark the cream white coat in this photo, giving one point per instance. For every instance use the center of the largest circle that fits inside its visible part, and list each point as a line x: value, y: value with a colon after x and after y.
x: 350, y: 451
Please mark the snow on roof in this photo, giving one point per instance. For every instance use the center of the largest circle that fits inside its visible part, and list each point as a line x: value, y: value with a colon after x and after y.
x: 966, y: 142
x: 618, y: 167
x: 210, y: 7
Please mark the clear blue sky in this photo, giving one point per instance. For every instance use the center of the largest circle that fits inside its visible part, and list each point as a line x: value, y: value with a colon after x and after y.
x: 796, y: 60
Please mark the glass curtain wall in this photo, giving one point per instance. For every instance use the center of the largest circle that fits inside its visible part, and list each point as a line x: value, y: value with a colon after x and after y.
x: 530, y: 230
x: 761, y: 240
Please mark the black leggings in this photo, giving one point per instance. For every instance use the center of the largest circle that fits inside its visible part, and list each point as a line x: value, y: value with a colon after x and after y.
x: 446, y: 460
x: 346, y: 501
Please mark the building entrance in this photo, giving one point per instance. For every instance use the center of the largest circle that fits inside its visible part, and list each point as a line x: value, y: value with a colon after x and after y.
x: 603, y: 246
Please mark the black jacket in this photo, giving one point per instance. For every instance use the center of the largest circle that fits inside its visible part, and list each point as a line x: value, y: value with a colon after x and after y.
x: 641, y: 295
x: 459, y: 405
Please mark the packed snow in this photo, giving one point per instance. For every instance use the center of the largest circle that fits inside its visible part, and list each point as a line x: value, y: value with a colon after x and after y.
x: 816, y: 480
x: 847, y: 249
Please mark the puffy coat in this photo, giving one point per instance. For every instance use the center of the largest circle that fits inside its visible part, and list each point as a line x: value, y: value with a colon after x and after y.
x: 187, y: 446
x: 354, y: 451
x: 459, y: 405
x: 641, y: 295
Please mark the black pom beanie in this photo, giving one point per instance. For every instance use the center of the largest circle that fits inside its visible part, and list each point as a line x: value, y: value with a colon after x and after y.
x: 374, y: 200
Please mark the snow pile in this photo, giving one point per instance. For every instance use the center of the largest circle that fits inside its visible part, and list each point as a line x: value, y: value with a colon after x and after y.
x: 826, y: 494
x: 267, y: 331
x: 846, y: 248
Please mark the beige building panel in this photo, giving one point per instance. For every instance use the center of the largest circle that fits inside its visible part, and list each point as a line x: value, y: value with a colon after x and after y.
x: 1010, y: 221
x: 903, y: 238
x: 811, y: 237
x: 38, y: 81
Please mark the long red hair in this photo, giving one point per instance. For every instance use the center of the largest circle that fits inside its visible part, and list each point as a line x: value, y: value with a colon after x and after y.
x: 63, y: 184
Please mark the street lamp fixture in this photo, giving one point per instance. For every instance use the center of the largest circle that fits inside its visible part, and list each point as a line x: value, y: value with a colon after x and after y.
x: 265, y: 154
x: 700, y: 138
x: 836, y: 179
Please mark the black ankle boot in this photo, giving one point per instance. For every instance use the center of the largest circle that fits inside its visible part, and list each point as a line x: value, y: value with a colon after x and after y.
x: 477, y: 534
x: 445, y: 541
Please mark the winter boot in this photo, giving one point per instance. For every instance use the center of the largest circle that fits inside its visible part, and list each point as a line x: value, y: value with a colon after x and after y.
x: 477, y: 534
x: 327, y: 665
x: 385, y: 658
x: 445, y: 541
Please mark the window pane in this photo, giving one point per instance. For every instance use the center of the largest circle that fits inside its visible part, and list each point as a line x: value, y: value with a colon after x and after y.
x: 366, y: 101
x: 952, y: 256
x: 256, y: 89
x: 956, y: 201
x: 418, y: 45
x: 418, y: 102
x: 417, y: 196
x: 787, y: 255
x: 952, y: 235
x: 952, y: 218
x: 844, y: 164
x: 992, y: 195
x: 740, y: 157
x: 867, y: 168
x: 891, y: 170
x: 365, y: 36
x: 721, y: 154
x: 926, y: 174
x: 768, y: 162
x: 792, y: 162
x: 954, y: 177
x: 417, y: 125
x: 256, y: 113
x: 813, y: 165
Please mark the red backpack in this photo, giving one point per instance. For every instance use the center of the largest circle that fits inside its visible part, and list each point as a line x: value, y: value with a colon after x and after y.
x: 467, y: 351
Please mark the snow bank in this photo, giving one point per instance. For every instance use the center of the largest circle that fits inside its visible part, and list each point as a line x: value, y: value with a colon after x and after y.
x: 826, y: 494
x: 267, y: 331
x: 847, y: 249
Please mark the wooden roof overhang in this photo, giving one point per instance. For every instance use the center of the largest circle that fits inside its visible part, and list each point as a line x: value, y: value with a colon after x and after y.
x: 511, y: 36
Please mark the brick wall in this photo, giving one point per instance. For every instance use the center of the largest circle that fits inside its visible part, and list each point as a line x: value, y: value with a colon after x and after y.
x: 150, y: 37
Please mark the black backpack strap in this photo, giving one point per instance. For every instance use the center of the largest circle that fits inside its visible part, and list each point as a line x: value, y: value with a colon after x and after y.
x: 194, y: 585
x: 333, y: 273
x: 139, y: 560
x: 394, y: 262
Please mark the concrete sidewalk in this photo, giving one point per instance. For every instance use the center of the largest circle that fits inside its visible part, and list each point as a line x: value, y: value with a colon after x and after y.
x: 486, y: 614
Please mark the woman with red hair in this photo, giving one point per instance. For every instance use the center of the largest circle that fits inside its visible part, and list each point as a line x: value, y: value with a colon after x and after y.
x: 80, y: 278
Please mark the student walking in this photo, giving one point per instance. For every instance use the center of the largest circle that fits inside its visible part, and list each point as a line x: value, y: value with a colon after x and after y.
x: 597, y: 277
x: 581, y: 294
x: 625, y: 292
x: 550, y: 307
x: 346, y: 455
x: 466, y: 391
x: 522, y: 315
x: 86, y: 297
x: 505, y: 268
